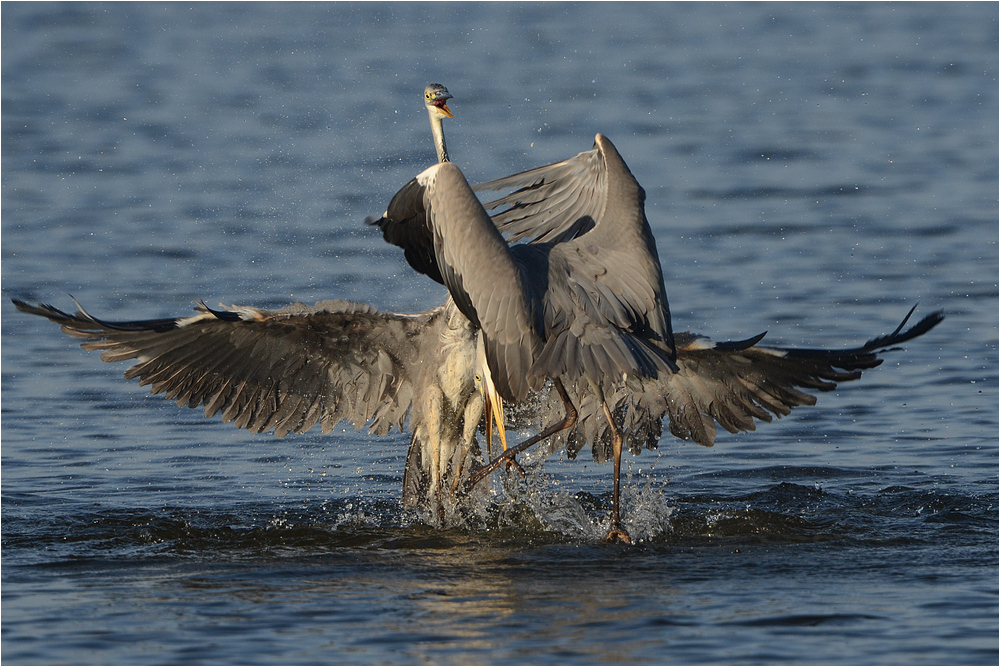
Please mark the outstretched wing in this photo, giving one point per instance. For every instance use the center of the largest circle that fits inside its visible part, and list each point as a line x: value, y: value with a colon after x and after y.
x: 730, y: 384
x: 285, y: 369
x: 734, y: 383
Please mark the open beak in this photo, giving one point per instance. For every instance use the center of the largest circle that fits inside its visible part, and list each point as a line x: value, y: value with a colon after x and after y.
x: 443, y: 106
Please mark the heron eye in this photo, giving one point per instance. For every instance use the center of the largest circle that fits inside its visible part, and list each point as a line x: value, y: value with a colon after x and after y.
x: 479, y: 378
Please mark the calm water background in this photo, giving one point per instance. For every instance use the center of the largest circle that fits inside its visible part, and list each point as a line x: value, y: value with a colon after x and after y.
x: 811, y: 170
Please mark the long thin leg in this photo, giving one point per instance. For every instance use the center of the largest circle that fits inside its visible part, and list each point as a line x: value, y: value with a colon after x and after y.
x: 567, y: 421
x: 473, y: 412
x: 615, y: 532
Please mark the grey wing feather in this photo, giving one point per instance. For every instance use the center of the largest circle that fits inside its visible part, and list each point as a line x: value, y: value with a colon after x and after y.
x: 605, y: 273
x: 732, y: 384
x: 285, y: 369
x: 729, y: 384
x: 554, y: 203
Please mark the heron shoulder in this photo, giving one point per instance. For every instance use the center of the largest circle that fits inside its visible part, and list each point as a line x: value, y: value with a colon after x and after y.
x: 439, y: 175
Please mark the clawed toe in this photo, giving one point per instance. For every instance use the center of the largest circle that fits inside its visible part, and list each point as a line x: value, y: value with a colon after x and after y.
x: 512, y: 463
x: 617, y: 534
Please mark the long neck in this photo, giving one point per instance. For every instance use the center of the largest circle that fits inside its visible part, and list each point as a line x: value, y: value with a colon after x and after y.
x: 438, y: 131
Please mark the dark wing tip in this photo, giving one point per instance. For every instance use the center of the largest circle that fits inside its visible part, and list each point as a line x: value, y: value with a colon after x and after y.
x: 899, y: 336
x: 23, y: 306
x: 737, y: 345
x: 43, y: 310
x: 88, y: 321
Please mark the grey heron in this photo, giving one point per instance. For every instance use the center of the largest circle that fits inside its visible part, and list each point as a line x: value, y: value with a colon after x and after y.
x: 582, y: 304
x: 436, y: 99
x: 290, y: 369
x: 287, y: 370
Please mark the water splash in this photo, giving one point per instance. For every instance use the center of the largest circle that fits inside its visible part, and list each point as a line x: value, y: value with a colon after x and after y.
x: 646, y: 511
x: 536, y: 503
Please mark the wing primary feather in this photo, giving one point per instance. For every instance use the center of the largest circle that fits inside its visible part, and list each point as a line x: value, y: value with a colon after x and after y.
x: 268, y: 370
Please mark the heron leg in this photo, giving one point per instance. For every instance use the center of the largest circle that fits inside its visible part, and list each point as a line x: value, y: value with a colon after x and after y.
x: 615, y: 532
x: 566, y: 422
x: 473, y: 412
x: 433, y: 408
x: 459, y: 466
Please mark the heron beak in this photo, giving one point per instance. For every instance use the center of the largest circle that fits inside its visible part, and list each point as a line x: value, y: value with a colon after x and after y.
x: 492, y: 403
x: 443, y: 106
x: 494, y: 412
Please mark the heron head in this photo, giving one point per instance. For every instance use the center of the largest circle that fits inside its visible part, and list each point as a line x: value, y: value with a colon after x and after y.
x: 492, y: 402
x: 435, y: 98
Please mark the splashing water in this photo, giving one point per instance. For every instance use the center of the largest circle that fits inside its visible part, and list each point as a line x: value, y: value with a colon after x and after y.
x: 538, y: 501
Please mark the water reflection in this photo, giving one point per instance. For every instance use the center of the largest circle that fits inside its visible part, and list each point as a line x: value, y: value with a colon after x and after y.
x: 493, y: 596
x: 451, y: 605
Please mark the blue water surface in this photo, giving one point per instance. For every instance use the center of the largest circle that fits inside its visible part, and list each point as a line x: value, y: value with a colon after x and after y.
x: 812, y: 170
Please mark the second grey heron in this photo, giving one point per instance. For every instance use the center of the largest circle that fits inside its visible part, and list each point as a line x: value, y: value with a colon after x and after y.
x: 290, y: 369
x: 583, y: 305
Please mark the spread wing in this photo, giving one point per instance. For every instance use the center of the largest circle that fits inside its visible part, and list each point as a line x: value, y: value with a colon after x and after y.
x: 729, y: 384
x: 734, y: 383
x: 285, y: 369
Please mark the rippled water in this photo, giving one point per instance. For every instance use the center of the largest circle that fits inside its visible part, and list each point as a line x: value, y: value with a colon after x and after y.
x: 811, y: 170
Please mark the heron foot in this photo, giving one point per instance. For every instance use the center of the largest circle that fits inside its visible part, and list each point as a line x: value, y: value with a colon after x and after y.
x: 512, y: 463
x: 617, y: 534
x: 511, y: 452
x: 507, y: 456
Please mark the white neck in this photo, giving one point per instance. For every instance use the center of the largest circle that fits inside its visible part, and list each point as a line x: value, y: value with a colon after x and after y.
x: 438, y: 131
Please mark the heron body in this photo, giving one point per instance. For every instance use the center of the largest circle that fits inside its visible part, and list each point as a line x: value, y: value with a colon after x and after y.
x: 288, y: 370
x: 582, y: 304
x: 446, y: 412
